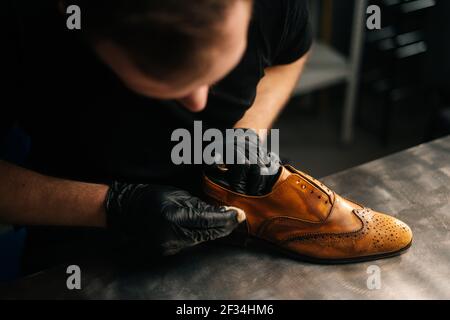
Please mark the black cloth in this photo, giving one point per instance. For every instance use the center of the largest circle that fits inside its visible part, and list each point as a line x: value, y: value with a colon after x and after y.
x: 84, y: 124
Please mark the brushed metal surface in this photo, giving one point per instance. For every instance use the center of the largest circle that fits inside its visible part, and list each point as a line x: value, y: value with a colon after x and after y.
x: 413, y: 185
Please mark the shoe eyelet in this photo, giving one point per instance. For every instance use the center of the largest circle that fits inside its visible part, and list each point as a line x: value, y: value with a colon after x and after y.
x: 303, y: 187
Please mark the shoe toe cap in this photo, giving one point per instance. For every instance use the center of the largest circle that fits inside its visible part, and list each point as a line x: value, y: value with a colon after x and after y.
x: 385, y: 233
x: 380, y: 236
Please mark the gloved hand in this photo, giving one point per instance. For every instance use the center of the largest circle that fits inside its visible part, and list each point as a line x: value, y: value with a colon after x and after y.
x: 254, y: 171
x: 166, y: 219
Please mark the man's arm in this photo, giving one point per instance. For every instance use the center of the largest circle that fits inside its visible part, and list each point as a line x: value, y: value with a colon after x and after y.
x: 29, y: 198
x: 273, y: 92
x: 163, y: 218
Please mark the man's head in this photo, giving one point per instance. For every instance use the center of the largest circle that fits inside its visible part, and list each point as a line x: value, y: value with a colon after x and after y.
x: 169, y: 49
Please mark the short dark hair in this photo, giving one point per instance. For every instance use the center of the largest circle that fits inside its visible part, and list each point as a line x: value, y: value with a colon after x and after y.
x: 162, y: 37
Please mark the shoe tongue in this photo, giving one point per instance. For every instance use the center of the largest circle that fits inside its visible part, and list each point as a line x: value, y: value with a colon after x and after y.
x: 283, y: 176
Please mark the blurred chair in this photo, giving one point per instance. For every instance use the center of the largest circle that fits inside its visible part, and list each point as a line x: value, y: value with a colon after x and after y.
x: 395, y: 72
x: 327, y: 67
x: 438, y: 70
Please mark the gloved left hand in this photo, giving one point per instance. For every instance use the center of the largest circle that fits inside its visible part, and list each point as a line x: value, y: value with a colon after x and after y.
x: 164, y: 219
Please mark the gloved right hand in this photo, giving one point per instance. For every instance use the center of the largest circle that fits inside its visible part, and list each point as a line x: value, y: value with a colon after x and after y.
x: 254, y: 170
x: 165, y: 218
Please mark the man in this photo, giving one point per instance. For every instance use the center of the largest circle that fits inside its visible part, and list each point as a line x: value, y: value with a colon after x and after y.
x: 100, y: 105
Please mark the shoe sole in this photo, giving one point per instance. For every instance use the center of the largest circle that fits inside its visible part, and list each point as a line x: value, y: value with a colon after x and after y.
x: 257, y: 243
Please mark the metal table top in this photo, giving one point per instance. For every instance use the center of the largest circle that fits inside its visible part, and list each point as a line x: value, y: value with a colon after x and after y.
x: 413, y: 185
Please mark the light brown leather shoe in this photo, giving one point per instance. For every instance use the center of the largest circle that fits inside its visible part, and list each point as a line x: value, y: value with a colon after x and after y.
x: 304, y: 218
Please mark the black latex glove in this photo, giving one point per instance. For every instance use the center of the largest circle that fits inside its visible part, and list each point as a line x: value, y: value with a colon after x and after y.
x: 165, y: 219
x: 254, y: 171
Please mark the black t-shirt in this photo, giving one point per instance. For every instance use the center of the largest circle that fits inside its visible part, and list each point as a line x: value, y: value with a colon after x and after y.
x: 85, y: 125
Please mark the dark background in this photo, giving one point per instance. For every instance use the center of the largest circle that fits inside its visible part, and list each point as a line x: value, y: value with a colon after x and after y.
x: 402, y: 102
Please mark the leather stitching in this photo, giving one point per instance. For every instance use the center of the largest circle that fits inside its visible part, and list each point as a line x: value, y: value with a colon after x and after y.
x: 331, y: 235
x: 272, y: 220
